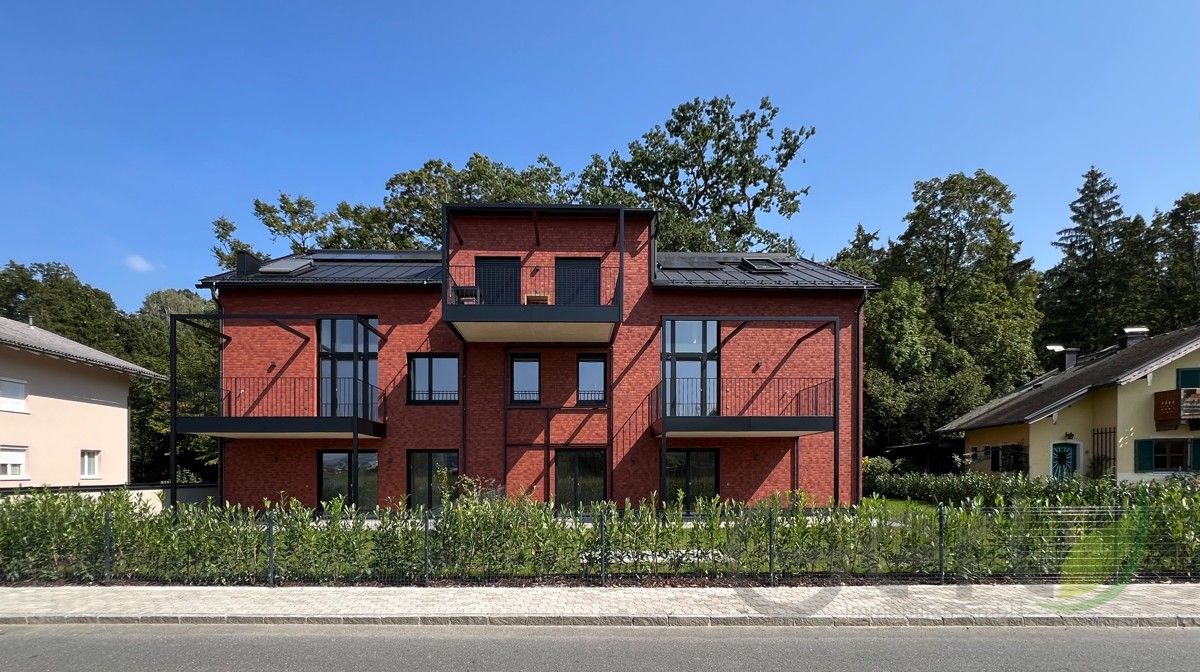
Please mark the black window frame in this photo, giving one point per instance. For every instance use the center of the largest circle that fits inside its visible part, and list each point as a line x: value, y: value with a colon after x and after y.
x: 411, y: 393
x: 512, y: 378
x: 708, y: 356
x: 408, y: 475
x: 347, y: 452
x: 602, y: 358
x: 689, y: 497
x: 368, y: 402
x: 574, y: 451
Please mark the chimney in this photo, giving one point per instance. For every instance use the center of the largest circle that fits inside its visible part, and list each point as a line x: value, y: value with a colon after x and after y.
x: 1067, y: 357
x: 246, y: 264
x: 1131, y: 335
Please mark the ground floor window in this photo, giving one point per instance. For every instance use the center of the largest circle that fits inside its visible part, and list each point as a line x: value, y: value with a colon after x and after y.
x: 1167, y: 454
x: 424, y: 486
x: 333, y: 476
x: 12, y: 463
x: 692, y: 473
x: 579, y: 478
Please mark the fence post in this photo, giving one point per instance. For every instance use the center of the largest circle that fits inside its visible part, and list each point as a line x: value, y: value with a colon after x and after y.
x: 271, y: 548
x: 108, y: 546
x: 425, y: 549
x: 942, y: 541
x: 603, y: 547
x: 771, y: 546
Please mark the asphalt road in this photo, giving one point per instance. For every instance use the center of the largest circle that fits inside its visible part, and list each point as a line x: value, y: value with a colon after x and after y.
x: 249, y: 648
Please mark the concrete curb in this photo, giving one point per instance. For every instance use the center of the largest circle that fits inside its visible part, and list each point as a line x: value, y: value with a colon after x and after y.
x: 680, y: 620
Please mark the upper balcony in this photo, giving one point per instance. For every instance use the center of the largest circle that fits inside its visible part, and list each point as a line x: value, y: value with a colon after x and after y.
x: 745, y: 407
x: 498, y: 299
x: 276, y: 376
x: 1173, y: 407
x: 529, y: 274
x: 283, y: 407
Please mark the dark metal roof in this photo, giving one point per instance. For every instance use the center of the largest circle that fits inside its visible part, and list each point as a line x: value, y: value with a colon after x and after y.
x: 22, y: 336
x: 343, y: 267
x: 730, y: 270
x: 1055, y: 389
x: 527, y: 208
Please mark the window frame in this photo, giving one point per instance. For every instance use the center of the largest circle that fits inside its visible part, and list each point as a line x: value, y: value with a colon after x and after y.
x: 575, y: 450
x: 593, y: 357
x: 1165, y: 445
x: 83, y: 454
x: 362, y: 367
x: 408, y: 473
x: 512, y: 379
x: 24, y: 451
x: 689, y: 497
x: 23, y: 402
x: 708, y: 357
x: 1191, y: 455
x: 430, y: 356
x: 341, y: 451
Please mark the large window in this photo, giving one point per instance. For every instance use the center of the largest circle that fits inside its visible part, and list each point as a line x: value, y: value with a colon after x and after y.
x: 526, y: 379
x: 89, y: 464
x: 432, y: 379
x: 333, y: 478
x: 425, y: 486
x: 578, y: 478
x: 12, y: 463
x: 12, y: 395
x: 690, y: 367
x: 341, y: 369
x: 691, y: 474
x: 591, y: 374
x: 1166, y: 454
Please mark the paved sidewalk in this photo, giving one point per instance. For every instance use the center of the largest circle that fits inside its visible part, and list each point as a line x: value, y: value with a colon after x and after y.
x: 1165, y: 605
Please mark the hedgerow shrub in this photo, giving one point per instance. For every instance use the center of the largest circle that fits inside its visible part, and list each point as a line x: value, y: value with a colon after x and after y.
x: 1155, y: 529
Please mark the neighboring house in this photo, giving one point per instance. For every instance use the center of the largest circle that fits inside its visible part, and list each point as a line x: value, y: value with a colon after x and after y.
x: 64, y: 411
x: 549, y: 350
x: 1132, y: 409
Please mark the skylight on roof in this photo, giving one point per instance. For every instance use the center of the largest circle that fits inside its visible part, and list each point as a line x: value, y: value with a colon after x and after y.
x: 761, y: 265
x: 286, y: 265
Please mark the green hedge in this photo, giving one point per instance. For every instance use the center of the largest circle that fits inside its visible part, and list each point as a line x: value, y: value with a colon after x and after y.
x: 881, y: 478
x: 47, y: 537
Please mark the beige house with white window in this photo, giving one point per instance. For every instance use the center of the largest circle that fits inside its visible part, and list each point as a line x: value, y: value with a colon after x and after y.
x: 1131, y: 410
x: 64, y: 410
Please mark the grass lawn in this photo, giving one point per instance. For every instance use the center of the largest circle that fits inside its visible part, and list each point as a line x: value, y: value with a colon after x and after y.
x: 898, y: 506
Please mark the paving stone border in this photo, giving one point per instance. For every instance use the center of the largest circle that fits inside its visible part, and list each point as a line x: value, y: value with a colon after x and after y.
x: 668, y: 620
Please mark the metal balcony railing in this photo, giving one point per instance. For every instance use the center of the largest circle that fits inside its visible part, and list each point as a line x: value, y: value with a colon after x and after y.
x: 744, y: 397
x: 532, y: 285
x: 282, y: 396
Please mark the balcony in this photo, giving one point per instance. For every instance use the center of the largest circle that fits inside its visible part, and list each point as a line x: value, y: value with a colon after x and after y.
x: 574, y: 300
x: 283, y: 407
x: 1173, y: 407
x: 745, y: 407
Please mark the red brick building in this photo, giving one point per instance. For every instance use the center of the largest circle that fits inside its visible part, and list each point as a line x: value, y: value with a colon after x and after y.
x: 550, y: 350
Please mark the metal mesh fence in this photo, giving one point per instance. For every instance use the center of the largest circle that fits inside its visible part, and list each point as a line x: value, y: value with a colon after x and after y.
x: 499, y: 541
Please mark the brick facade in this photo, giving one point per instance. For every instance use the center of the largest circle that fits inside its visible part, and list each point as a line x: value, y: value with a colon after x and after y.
x: 508, y: 444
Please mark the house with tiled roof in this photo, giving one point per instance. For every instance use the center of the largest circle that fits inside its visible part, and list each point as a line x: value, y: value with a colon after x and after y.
x: 64, y: 410
x: 1130, y: 410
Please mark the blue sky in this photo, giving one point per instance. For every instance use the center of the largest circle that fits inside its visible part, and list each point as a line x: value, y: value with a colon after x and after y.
x: 124, y: 130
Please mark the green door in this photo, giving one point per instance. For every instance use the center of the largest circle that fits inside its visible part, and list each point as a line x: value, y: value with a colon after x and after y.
x: 1063, y: 459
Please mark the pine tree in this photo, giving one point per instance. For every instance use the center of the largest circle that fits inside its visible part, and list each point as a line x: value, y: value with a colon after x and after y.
x: 1078, y: 295
x: 1179, y: 299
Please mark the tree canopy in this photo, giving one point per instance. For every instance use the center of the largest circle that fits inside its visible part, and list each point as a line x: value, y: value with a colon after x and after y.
x: 710, y: 169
